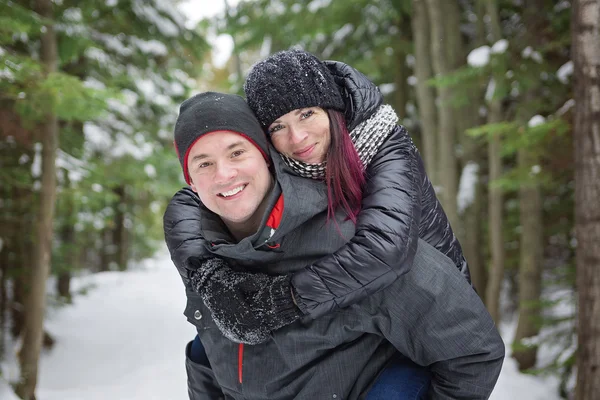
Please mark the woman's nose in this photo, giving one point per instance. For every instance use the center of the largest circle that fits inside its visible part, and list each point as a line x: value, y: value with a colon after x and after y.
x: 297, y: 135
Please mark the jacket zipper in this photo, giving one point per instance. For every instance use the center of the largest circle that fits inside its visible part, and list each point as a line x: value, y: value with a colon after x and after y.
x: 273, y: 222
x: 240, y: 361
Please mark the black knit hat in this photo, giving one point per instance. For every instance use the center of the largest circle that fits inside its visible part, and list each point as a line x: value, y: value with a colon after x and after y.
x: 209, y: 112
x: 288, y: 80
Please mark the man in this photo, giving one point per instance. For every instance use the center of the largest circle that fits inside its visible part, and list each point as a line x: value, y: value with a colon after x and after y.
x: 262, y: 220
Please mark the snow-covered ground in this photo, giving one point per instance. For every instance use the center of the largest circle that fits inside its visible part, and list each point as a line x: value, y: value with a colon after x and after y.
x: 124, y: 340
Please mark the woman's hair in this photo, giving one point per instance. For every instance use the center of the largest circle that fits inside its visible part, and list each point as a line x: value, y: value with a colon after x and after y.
x: 345, y: 176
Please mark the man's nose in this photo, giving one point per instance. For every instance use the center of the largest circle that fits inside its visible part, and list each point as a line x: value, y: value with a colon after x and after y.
x: 225, y: 172
x: 297, y: 135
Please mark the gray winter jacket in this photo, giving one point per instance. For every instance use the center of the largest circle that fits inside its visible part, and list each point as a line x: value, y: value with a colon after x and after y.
x: 431, y: 315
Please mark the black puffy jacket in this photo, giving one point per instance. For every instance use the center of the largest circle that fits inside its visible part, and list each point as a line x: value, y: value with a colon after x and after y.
x: 399, y: 206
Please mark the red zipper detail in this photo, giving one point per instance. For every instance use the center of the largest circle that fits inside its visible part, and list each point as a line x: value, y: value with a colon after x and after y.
x: 240, y: 361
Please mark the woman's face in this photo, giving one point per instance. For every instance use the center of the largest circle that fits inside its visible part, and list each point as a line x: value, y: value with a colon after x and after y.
x: 302, y: 134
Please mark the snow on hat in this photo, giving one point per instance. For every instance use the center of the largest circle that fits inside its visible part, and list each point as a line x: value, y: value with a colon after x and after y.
x: 289, y: 80
x: 210, y: 112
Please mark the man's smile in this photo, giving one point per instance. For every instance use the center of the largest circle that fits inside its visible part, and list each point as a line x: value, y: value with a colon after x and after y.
x: 233, y: 191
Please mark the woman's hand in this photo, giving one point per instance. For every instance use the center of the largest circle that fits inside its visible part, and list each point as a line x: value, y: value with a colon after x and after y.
x: 246, y: 307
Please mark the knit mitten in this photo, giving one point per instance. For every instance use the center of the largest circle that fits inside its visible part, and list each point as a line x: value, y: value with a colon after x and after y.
x: 270, y: 299
x: 246, y: 307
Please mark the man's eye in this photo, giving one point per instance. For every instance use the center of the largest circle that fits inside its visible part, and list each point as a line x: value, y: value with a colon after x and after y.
x: 306, y: 114
x: 275, y: 129
x: 203, y: 165
x: 237, y: 153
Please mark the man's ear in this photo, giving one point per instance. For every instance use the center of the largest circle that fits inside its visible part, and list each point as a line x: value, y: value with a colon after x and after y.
x: 193, y: 187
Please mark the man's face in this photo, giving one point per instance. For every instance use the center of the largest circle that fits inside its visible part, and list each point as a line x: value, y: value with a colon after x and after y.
x: 230, y: 175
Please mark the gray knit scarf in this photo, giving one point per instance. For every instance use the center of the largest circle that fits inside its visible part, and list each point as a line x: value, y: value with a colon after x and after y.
x: 367, y: 138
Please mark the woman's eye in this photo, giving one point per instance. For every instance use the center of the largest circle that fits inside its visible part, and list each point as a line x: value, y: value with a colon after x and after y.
x: 275, y: 129
x: 306, y: 114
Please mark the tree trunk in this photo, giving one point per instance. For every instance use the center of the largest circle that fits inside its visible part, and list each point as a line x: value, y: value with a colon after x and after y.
x: 70, y: 247
x: 585, y: 28
x: 63, y: 282
x: 530, y: 265
x: 106, y: 251
x: 20, y: 270
x: 119, y: 237
x: 448, y: 177
x: 531, y: 217
x: 425, y: 93
x: 401, y: 70
x: 16, y: 210
x: 17, y: 306
x: 495, y: 201
x: 460, y: 115
x: 7, y: 229
x: 235, y: 54
x: 453, y: 44
x: 480, y: 33
x: 36, y: 298
x: 472, y: 244
x: 400, y: 77
x: 63, y: 285
x: 495, y: 211
x: 3, y: 297
x: 467, y: 117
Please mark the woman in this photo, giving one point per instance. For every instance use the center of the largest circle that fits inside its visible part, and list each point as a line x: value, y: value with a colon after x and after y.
x: 374, y: 173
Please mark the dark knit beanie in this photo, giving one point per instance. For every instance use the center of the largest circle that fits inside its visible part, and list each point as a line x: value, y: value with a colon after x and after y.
x: 209, y: 112
x: 288, y: 80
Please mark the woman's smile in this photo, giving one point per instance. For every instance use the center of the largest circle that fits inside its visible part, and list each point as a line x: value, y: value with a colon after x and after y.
x: 305, y: 152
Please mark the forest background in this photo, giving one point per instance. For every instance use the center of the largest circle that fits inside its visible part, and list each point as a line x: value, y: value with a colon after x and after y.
x: 502, y: 98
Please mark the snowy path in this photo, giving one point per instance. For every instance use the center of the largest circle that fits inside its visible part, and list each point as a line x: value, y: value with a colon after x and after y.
x: 124, y: 340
